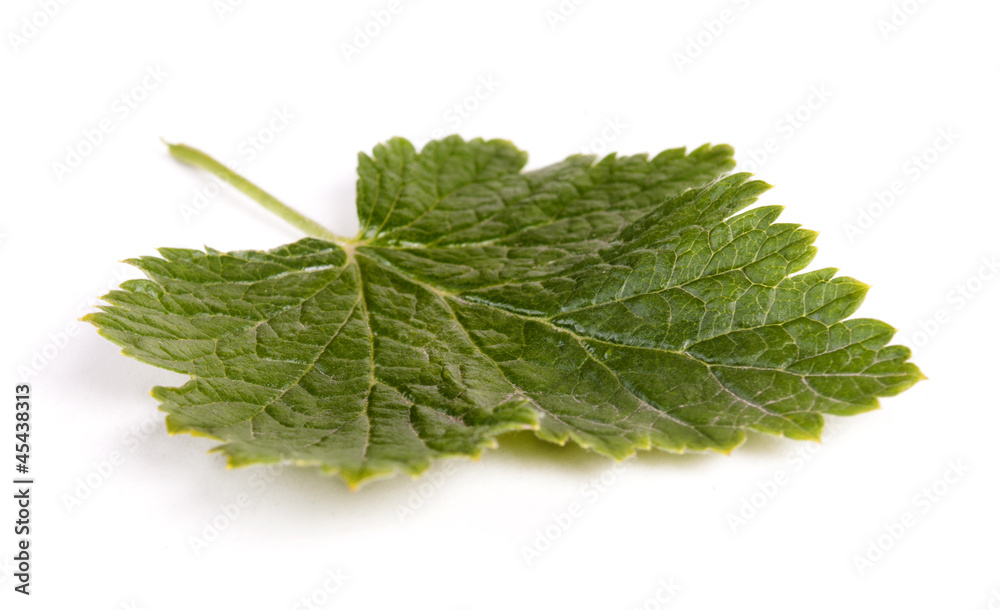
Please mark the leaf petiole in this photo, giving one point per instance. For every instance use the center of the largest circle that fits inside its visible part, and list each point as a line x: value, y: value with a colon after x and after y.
x: 195, y: 157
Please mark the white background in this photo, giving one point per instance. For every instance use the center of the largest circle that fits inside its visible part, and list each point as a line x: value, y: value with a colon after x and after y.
x: 126, y: 541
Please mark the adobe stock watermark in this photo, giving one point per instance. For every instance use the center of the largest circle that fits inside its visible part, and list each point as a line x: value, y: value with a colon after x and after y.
x: 246, y: 151
x: 55, y: 342
x: 224, y: 8
x: 912, y: 171
x: 921, y: 503
x: 463, y: 109
x: 899, y: 15
x: 993, y: 603
x: 32, y: 25
x: 424, y: 489
x: 122, y: 107
x: 561, y: 522
x: 712, y: 29
x: 561, y: 13
x: 102, y: 470
x: 752, y: 504
x: 786, y: 127
x: 366, y: 33
x: 613, y: 129
x: 333, y: 582
x: 666, y: 591
x: 230, y: 512
x: 956, y: 299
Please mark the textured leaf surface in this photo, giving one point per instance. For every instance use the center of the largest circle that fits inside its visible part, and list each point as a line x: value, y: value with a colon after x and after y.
x: 623, y: 304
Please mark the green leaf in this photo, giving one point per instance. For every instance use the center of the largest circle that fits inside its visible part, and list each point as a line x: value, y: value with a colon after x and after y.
x: 623, y: 304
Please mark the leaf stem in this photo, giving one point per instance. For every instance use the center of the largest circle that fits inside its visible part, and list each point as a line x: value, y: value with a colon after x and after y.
x: 195, y: 157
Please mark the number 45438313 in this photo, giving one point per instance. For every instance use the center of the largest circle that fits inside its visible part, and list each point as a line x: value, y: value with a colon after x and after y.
x: 22, y: 428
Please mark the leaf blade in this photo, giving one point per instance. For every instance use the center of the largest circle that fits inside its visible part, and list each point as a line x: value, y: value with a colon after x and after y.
x: 625, y: 304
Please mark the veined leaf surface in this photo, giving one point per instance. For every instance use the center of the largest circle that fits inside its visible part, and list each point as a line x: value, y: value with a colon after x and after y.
x: 623, y: 304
